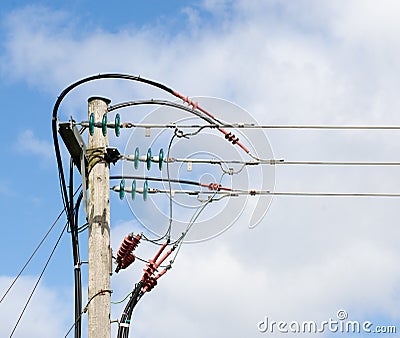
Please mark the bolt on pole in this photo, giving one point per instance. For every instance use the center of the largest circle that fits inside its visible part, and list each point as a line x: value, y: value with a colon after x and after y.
x: 98, y: 213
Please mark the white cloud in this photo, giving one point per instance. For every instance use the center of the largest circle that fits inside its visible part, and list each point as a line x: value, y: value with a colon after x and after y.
x: 297, y: 62
x: 47, y: 315
x: 28, y: 144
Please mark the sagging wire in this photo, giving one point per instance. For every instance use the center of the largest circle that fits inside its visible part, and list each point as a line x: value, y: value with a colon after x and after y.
x: 35, y: 251
x: 85, y: 309
x: 38, y: 280
x: 32, y: 255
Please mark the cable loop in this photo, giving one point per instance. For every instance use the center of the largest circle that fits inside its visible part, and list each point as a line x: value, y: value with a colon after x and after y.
x: 179, y: 133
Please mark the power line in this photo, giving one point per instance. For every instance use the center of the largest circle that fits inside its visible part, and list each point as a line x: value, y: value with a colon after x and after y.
x: 329, y: 127
x: 338, y: 127
x: 230, y: 192
x: 331, y: 194
x: 212, y: 125
x: 336, y: 163
x: 32, y: 255
x: 215, y: 191
x: 38, y: 280
x: 263, y: 162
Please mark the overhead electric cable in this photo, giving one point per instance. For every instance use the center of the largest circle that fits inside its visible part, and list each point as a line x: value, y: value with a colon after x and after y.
x: 268, y: 162
x: 214, y: 191
x: 32, y: 255
x: 160, y: 103
x: 230, y: 192
x: 213, y: 125
x: 38, y: 280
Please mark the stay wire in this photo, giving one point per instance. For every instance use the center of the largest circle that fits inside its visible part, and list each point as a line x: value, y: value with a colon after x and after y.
x: 38, y: 280
x: 33, y: 254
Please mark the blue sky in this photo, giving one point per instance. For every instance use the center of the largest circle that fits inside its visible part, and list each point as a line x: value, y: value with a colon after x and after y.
x: 303, y: 62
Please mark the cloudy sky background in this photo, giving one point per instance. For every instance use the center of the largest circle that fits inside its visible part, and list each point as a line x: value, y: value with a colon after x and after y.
x: 303, y: 62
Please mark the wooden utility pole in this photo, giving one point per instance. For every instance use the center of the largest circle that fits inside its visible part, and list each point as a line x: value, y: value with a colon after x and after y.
x: 98, y: 212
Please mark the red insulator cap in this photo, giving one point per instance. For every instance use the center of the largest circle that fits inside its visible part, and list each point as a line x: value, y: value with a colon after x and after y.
x: 149, y: 284
x: 128, y: 245
x: 128, y: 260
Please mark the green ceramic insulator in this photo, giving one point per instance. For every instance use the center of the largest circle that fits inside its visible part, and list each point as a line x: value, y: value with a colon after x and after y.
x: 122, y: 190
x: 145, y: 190
x: 104, y: 125
x: 91, y: 124
x: 136, y: 158
x: 133, y: 189
x: 117, y: 125
x: 148, y: 159
x: 160, y: 159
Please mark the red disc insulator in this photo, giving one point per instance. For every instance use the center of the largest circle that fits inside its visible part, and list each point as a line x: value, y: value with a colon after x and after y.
x: 150, y: 283
x: 128, y: 260
x: 150, y: 269
x: 128, y: 245
x: 136, y: 240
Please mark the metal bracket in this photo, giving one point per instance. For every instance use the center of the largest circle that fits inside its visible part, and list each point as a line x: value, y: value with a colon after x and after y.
x: 73, y: 141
